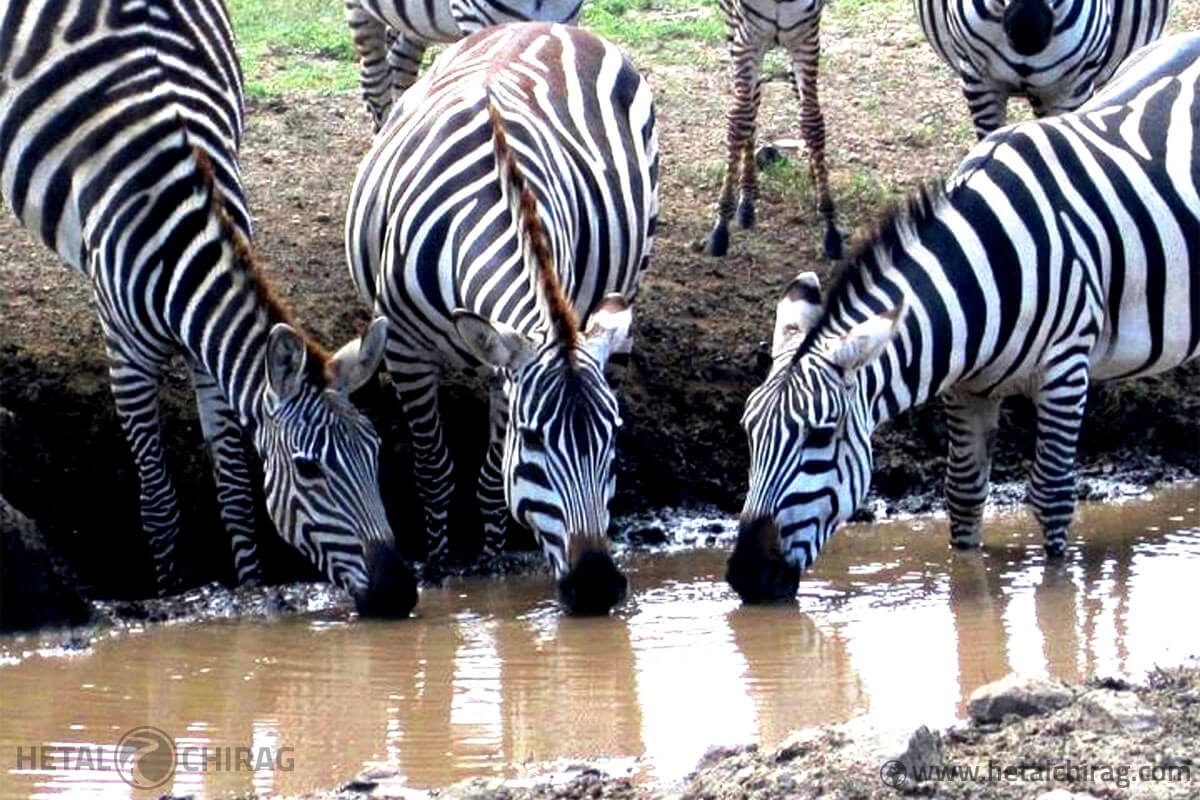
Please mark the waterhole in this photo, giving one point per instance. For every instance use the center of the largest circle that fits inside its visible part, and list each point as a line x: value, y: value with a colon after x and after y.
x: 492, y: 680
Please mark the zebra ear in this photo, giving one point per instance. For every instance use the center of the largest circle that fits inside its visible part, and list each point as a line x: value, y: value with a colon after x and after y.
x: 865, y: 341
x: 356, y: 363
x: 798, y: 311
x: 493, y: 343
x: 286, y: 356
x: 607, y: 332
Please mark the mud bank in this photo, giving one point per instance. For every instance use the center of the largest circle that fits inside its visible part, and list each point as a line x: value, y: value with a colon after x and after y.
x: 699, y: 338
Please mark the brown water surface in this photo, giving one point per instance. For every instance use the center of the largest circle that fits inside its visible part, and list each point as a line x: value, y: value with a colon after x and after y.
x: 492, y: 680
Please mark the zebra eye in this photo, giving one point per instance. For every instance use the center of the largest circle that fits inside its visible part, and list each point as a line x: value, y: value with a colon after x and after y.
x: 820, y: 437
x: 307, y: 468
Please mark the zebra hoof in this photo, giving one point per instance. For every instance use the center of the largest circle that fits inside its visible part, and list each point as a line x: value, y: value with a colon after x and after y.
x: 833, y: 244
x: 745, y: 214
x: 717, y: 243
x: 1056, y: 549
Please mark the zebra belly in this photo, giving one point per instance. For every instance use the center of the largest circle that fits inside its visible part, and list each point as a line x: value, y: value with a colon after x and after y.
x: 415, y: 20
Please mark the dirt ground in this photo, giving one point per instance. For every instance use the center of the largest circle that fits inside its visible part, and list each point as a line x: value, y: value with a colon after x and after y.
x: 894, y: 118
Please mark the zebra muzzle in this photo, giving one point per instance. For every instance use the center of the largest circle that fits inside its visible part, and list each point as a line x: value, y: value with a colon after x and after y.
x: 593, y: 586
x: 391, y: 591
x: 757, y: 570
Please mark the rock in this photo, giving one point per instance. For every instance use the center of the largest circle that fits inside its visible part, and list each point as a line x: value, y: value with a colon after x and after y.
x: 34, y: 591
x: 1017, y: 695
x: 924, y: 751
x: 1122, y: 709
x: 650, y: 535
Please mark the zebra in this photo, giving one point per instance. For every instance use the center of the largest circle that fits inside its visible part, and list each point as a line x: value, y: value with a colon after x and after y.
x: 752, y: 27
x: 391, y: 36
x: 1054, y: 53
x: 511, y: 195
x: 1063, y: 251
x: 120, y: 123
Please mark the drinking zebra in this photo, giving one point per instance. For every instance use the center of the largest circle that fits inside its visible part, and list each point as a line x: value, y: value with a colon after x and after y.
x: 752, y: 27
x: 1063, y: 251
x: 1055, y: 54
x: 512, y: 195
x: 391, y: 36
x: 119, y: 129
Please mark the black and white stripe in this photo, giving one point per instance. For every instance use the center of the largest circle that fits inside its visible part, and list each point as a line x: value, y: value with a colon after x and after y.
x: 753, y: 27
x: 391, y: 36
x: 1064, y: 250
x: 512, y: 195
x: 1054, y: 53
x: 120, y: 122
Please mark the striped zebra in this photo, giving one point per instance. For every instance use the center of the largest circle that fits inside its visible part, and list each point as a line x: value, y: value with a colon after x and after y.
x: 120, y: 122
x: 1054, y: 53
x: 1063, y: 251
x: 752, y: 27
x: 512, y: 195
x: 391, y: 36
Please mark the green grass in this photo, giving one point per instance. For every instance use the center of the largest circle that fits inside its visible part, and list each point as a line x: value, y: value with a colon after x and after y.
x: 294, y: 45
x: 304, y: 45
x: 671, y: 25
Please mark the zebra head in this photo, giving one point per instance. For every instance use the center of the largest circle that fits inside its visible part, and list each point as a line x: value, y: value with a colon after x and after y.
x: 560, y: 443
x: 321, y: 468
x: 809, y: 428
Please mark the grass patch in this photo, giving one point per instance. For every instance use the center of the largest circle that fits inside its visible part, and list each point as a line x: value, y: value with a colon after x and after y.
x: 656, y: 25
x: 294, y: 45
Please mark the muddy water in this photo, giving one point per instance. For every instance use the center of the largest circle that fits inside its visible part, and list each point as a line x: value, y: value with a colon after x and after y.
x: 492, y: 680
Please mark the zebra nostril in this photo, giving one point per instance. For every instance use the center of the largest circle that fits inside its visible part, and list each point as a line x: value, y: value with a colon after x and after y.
x: 757, y: 570
x: 593, y: 586
x: 391, y: 590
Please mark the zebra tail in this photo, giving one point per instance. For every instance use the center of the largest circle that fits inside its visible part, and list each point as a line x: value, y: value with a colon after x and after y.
x: 1028, y: 24
x: 535, y: 244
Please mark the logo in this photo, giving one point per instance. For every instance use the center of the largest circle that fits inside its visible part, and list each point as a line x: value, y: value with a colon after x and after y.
x: 145, y: 757
x: 894, y: 774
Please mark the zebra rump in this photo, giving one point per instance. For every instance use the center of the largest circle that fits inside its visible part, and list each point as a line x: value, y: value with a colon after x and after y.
x: 1055, y: 54
x: 391, y: 36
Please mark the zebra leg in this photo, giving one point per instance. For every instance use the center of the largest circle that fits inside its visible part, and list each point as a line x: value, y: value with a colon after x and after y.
x: 747, y: 64
x: 805, y: 61
x: 404, y: 60
x: 1060, y: 405
x: 492, y: 506
x: 371, y: 41
x: 416, y: 385
x: 749, y: 176
x: 135, y: 388
x: 987, y: 102
x: 231, y: 473
x: 972, y: 421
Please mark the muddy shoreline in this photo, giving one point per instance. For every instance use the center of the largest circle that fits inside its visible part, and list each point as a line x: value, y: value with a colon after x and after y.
x: 1104, y: 738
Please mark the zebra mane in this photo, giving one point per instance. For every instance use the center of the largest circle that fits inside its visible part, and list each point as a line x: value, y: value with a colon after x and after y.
x: 914, y: 210
x: 883, y: 237
x: 245, y: 261
x: 564, y: 325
